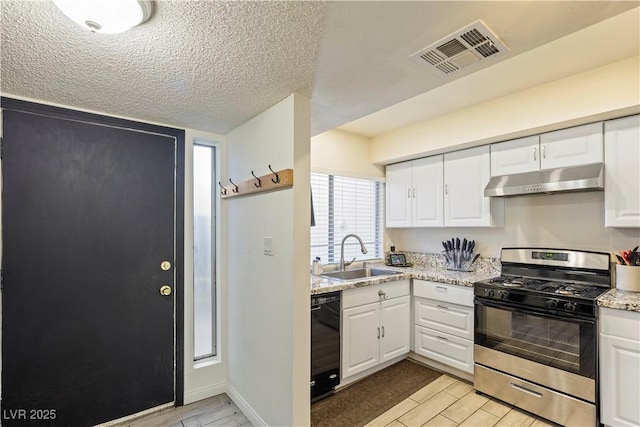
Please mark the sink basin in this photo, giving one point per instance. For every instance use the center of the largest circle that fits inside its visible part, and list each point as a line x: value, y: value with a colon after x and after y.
x: 360, y: 273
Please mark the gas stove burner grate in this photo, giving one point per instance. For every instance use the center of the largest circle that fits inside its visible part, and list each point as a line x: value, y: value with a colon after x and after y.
x: 514, y: 282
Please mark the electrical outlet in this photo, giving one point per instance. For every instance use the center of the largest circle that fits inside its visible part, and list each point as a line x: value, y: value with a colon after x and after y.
x: 268, y: 246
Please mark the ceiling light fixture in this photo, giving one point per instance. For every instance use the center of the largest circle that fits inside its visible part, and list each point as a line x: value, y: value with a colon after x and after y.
x: 106, y: 16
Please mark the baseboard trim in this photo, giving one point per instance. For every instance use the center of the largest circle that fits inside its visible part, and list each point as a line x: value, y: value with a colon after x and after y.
x: 210, y: 390
x: 246, y: 409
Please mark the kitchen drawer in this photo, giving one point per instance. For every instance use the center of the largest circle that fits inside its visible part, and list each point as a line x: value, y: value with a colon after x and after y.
x: 620, y: 323
x: 444, y: 348
x: 369, y: 294
x: 446, y: 317
x: 460, y: 295
x: 550, y: 404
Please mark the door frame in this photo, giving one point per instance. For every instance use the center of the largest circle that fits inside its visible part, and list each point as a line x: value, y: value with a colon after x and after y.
x: 179, y: 134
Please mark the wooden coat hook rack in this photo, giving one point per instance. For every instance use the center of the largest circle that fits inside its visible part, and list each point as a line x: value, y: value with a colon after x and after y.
x: 258, y: 184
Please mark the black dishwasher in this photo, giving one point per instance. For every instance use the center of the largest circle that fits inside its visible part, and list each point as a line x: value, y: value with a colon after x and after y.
x: 325, y: 344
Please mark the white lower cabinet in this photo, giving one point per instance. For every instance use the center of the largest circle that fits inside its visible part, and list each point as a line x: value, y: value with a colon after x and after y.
x: 443, y: 329
x: 375, y: 326
x: 619, y: 367
x: 444, y: 348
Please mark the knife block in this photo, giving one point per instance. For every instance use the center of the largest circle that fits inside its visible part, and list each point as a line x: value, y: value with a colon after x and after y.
x: 465, y: 264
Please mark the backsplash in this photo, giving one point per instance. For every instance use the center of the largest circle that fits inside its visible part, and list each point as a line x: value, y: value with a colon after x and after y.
x: 437, y: 260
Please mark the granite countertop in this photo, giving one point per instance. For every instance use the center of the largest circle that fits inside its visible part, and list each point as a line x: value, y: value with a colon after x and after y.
x: 424, y: 268
x: 621, y: 300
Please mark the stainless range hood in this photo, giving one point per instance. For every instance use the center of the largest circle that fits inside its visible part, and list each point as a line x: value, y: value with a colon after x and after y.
x: 561, y: 180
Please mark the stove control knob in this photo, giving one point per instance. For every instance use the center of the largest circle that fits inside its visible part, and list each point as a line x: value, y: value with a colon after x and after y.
x: 570, y: 306
x: 488, y: 293
x: 503, y: 294
x: 552, y: 303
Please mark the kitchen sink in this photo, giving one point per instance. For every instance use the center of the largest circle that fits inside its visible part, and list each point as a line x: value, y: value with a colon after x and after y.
x: 360, y: 273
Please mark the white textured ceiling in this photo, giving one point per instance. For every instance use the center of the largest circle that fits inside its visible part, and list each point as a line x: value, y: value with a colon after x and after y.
x: 212, y: 65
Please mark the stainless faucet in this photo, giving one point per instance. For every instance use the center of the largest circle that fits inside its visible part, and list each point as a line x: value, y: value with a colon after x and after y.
x: 362, y: 248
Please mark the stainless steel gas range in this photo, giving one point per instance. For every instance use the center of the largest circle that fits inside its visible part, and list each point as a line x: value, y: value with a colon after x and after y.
x: 536, y: 332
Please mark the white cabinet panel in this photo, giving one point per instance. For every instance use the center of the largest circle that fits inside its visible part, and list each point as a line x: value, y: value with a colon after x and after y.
x: 578, y: 145
x: 451, y: 318
x: 369, y: 294
x: 460, y: 295
x: 360, y: 342
x: 515, y: 156
x: 444, y: 348
x: 427, y: 193
x: 398, y: 190
x: 466, y: 173
x: 619, y: 349
x: 394, y: 326
x: 620, y: 384
x: 622, y: 172
x: 374, y: 332
x: 414, y: 193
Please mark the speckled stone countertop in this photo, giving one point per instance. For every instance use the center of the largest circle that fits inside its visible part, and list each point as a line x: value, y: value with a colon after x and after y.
x: 430, y: 267
x: 621, y: 300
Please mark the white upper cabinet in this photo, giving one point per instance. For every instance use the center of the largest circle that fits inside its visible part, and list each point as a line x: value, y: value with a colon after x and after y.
x: 398, y: 195
x: 516, y: 156
x: 414, y: 193
x: 427, y: 202
x: 580, y: 145
x: 466, y: 173
x: 622, y: 172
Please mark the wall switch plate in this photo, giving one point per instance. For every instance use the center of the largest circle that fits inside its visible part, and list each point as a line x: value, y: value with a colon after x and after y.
x: 268, y: 246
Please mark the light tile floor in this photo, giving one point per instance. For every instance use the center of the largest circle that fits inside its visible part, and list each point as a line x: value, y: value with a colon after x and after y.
x: 214, y: 411
x: 444, y: 402
x: 448, y: 401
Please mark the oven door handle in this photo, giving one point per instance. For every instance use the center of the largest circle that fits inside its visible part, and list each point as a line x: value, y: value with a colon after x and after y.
x: 568, y: 317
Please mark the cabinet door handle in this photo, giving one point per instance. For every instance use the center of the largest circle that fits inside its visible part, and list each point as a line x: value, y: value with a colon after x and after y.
x: 535, y: 153
x: 442, y: 307
x: 441, y: 288
x: 383, y: 332
x: 414, y: 193
x: 544, y: 151
x: 378, y: 332
x: 442, y: 338
x: 446, y: 189
x: 525, y: 390
x: 408, y: 193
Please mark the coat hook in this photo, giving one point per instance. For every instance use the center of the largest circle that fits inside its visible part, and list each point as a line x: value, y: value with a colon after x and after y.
x: 223, y: 190
x: 235, y: 189
x: 277, y: 180
x: 259, y: 184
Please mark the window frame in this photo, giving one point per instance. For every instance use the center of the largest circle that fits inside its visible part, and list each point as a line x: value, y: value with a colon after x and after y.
x: 214, y: 283
x: 333, y: 255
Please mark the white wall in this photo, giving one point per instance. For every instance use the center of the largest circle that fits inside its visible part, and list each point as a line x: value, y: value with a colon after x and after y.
x: 268, y: 296
x: 343, y: 153
x: 606, y: 92
x: 573, y: 221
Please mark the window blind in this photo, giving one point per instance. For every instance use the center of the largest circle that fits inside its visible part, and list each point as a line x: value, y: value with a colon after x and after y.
x: 343, y: 206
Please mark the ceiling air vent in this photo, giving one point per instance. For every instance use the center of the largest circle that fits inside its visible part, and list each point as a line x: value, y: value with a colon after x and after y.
x: 461, y: 49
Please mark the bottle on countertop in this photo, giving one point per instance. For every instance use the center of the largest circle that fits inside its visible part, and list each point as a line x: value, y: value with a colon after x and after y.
x: 316, y: 268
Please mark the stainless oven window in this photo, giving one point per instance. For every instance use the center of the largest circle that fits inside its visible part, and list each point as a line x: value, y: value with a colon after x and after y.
x: 561, y: 342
